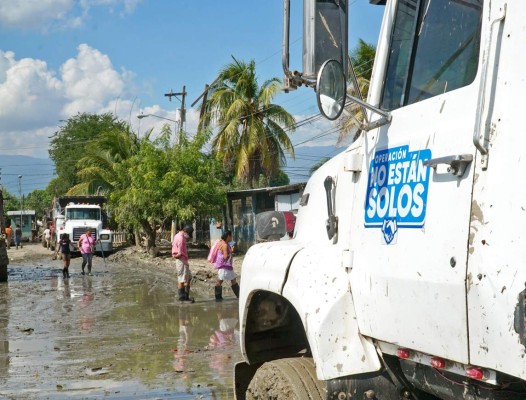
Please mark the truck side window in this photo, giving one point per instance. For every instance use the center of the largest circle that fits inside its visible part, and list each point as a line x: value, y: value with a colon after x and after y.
x: 434, y: 49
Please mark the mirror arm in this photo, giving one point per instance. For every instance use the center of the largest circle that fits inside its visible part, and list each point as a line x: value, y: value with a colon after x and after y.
x: 375, y: 124
x: 355, y: 83
x: 293, y: 79
x: 386, y: 116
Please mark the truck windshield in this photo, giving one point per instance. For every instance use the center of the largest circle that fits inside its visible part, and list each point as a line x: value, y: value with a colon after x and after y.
x: 83, y: 213
x: 434, y: 49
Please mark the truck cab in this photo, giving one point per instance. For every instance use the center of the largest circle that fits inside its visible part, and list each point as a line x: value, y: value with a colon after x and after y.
x: 405, y: 277
x: 75, y: 214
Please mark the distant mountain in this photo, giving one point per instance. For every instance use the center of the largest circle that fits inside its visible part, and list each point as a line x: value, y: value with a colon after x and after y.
x: 36, y: 173
x: 298, y: 170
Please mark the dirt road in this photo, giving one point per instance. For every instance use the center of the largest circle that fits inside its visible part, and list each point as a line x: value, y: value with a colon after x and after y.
x: 118, y: 334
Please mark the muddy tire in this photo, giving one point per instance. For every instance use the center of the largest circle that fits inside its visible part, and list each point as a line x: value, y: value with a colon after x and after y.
x: 286, y: 379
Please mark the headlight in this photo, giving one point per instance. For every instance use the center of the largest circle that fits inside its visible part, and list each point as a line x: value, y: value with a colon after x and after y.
x: 104, y: 237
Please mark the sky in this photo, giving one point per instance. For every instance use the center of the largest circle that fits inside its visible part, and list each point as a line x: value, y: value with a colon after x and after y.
x: 59, y: 58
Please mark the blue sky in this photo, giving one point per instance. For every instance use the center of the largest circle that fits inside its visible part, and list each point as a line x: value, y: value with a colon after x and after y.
x: 63, y: 57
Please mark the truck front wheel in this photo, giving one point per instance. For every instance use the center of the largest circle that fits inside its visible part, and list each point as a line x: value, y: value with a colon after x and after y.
x: 288, y: 378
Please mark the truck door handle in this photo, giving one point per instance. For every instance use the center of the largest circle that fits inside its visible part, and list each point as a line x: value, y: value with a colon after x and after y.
x: 457, y: 163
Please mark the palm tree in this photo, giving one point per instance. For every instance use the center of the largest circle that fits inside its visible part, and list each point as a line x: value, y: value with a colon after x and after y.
x: 362, y: 58
x: 96, y: 169
x: 251, y: 136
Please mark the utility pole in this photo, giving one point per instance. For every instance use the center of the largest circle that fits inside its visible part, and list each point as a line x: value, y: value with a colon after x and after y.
x: 182, y: 115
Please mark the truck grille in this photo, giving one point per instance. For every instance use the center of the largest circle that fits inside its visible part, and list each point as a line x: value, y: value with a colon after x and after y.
x: 78, y: 232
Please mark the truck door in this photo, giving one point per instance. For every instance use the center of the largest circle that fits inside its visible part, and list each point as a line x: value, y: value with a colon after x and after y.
x: 497, y: 254
x: 410, y: 254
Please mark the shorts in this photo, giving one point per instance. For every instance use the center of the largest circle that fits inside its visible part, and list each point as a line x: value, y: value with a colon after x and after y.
x: 183, y: 271
x: 226, y: 274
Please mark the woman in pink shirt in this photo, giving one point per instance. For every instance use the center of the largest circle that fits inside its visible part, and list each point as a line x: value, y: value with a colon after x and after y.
x: 223, y: 264
x: 86, y: 246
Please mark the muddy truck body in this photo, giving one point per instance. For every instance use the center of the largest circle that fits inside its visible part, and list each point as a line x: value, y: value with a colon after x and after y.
x: 74, y: 214
x: 406, y: 275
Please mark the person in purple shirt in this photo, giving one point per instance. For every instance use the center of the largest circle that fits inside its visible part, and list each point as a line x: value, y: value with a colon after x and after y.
x: 180, y: 253
x: 86, y: 245
x: 224, y: 267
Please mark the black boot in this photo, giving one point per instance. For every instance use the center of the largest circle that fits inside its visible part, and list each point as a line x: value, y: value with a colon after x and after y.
x: 181, y: 294
x: 235, y: 289
x: 187, y: 294
x: 67, y: 272
x: 64, y: 273
x: 218, y: 292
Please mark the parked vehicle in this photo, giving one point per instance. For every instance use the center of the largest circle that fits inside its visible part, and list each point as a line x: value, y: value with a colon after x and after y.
x: 74, y: 214
x: 405, y: 278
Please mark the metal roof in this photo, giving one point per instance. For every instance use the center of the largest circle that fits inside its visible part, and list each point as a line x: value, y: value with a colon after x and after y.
x: 273, y: 189
x: 21, y: 212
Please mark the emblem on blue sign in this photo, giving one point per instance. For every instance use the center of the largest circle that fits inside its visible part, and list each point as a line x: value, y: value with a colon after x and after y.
x: 397, y: 190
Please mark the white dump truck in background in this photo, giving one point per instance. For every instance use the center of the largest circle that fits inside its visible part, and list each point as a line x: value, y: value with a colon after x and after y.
x: 406, y: 275
x: 74, y: 214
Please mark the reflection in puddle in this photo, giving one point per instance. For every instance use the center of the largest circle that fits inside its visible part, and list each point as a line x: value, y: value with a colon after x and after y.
x: 119, y: 332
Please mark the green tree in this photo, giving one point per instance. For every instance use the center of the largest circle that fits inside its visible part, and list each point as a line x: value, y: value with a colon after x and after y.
x: 280, y: 179
x: 11, y: 202
x: 362, y: 58
x: 69, y: 143
x: 38, y: 200
x: 161, y: 181
x: 96, y: 168
x: 251, y: 134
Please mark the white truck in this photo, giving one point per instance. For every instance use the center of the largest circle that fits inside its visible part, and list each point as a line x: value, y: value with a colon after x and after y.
x: 406, y: 277
x: 74, y: 214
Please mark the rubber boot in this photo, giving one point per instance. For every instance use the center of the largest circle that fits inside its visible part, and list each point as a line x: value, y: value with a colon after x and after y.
x: 187, y: 294
x: 181, y: 294
x: 218, y: 292
x: 67, y: 272
x: 64, y: 273
x: 235, y: 289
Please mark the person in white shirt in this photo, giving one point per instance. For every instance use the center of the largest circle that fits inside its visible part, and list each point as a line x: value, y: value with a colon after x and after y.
x: 47, y: 237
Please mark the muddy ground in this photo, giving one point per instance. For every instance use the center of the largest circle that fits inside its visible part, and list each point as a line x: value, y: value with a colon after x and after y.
x: 119, y: 334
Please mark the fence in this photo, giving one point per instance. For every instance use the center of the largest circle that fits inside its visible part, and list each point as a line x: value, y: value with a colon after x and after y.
x: 120, y: 238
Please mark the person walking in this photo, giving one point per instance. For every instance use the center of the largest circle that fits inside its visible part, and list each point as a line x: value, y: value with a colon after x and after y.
x: 8, y: 234
x: 180, y: 253
x: 223, y: 264
x: 86, y: 245
x: 18, y: 236
x: 65, y: 251
x: 47, y: 237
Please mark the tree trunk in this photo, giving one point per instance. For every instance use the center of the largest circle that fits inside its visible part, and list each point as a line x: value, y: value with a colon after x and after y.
x: 150, y: 236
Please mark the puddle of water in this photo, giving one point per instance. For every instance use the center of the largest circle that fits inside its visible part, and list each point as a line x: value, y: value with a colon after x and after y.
x: 119, y: 333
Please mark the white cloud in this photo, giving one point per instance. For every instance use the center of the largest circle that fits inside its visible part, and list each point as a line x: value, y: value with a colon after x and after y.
x: 31, y: 14
x: 34, y: 98
x: 90, y: 81
x: 44, y: 14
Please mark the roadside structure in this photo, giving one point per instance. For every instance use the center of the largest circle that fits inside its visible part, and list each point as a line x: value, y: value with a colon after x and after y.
x: 243, y: 205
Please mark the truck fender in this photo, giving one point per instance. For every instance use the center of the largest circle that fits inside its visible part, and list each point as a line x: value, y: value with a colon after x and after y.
x: 318, y: 287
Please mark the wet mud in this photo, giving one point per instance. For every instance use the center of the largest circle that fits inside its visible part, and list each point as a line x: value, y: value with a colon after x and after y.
x: 120, y: 333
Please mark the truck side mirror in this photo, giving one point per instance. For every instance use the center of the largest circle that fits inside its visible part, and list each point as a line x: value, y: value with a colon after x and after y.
x: 325, y: 34
x: 331, y: 89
